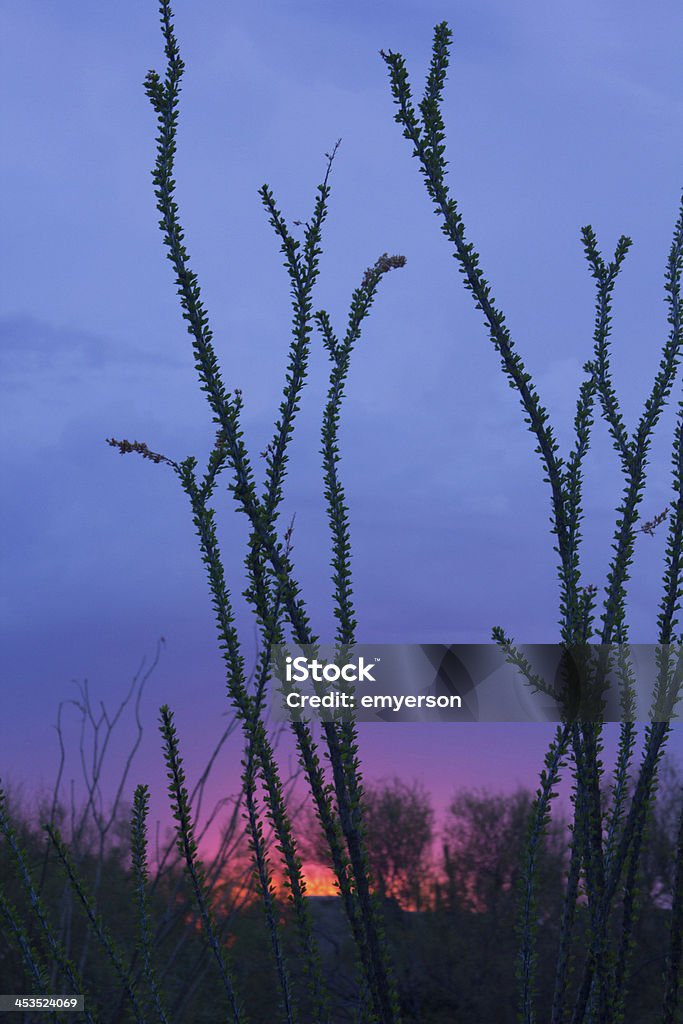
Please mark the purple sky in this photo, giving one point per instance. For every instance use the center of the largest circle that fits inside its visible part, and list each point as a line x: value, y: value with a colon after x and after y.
x: 557, y: 116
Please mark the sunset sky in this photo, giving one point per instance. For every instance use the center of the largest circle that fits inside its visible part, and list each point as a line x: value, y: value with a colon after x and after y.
x: 557, y: 116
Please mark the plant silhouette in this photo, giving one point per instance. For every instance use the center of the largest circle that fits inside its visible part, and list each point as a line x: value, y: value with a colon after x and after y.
x: 602, y: 900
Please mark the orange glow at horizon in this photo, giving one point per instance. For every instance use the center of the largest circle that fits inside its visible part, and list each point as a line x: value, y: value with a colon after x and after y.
x: 320, y: 881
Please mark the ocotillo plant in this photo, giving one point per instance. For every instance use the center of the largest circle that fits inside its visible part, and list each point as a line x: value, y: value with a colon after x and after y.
x: 606, y: 844
x: 272, y: 588
x: 277, y: 603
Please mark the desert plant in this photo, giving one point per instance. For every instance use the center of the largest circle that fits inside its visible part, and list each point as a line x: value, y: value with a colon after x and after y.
x: 607, y: 846
x: 273, y: 591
